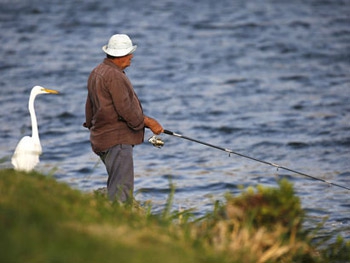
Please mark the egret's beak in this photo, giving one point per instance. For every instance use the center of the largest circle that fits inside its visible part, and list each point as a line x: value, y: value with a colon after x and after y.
x: 52, y: 91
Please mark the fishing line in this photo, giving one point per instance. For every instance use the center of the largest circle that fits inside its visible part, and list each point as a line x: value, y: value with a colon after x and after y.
x: 158, y: 143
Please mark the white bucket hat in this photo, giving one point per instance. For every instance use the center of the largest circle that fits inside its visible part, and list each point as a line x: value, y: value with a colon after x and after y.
x: 119, y: 45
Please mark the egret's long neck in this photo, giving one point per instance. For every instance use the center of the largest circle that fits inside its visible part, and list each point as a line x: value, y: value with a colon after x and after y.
x: 35, y: 133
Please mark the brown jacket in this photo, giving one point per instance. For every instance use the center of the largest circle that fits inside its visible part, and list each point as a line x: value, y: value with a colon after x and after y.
x: 113, y: 112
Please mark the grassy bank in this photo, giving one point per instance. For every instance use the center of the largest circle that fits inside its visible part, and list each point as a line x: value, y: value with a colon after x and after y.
x: 42, y: 220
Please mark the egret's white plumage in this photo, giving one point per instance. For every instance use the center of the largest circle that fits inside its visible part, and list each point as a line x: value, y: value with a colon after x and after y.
x: 27, y: 152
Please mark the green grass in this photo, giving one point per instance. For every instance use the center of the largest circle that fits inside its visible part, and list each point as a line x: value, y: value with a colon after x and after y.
x: 42, y: 220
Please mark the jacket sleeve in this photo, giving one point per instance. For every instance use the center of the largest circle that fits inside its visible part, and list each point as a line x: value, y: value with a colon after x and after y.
x: 88, y: 113
x: 126, y: 103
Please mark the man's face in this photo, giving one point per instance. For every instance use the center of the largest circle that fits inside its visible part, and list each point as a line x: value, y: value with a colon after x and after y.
x: 125, y: 61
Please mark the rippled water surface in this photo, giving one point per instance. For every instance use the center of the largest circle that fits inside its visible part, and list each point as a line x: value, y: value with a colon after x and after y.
x: 269, y: 79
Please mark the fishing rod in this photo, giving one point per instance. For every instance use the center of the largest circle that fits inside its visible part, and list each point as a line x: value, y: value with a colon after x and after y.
x: 159, y: 143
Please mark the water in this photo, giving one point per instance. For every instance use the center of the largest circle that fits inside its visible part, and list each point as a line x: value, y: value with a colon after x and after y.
x: 268, y: 79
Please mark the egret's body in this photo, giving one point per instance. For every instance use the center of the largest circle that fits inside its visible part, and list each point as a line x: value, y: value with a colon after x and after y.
x: 28, y: 150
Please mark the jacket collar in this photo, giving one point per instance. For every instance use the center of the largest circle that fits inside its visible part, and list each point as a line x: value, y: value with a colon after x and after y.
x: 110, y: 63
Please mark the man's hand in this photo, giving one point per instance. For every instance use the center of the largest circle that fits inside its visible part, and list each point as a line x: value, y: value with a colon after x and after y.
x: 153, y: 125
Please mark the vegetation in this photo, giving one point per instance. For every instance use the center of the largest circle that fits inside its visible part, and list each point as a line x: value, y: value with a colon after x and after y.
x: 42, y: 220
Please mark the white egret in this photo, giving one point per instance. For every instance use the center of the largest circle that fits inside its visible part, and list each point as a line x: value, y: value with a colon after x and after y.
x: 27, y: 152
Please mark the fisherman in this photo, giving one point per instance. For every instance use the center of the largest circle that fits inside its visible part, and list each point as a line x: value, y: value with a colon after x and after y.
x: 115, y: 117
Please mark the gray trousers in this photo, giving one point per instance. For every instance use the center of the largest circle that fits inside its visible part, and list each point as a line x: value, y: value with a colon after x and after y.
x: 120, y: 168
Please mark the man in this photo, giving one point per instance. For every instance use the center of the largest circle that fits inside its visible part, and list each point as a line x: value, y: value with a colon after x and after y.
x: 115, y: 117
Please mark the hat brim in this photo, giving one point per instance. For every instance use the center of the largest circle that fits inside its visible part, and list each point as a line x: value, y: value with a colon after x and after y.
x: 118, y: 52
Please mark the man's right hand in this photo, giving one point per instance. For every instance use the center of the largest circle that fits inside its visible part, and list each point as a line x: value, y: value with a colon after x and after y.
x: 153, y: 125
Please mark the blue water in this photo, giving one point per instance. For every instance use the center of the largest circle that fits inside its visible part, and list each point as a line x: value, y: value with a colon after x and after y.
x: 268, y: 79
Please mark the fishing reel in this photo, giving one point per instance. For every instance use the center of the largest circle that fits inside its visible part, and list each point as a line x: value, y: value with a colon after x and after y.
x: 156, y: 141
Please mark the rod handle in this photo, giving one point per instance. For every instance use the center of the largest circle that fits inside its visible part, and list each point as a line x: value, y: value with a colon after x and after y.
x: 168, y: 132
